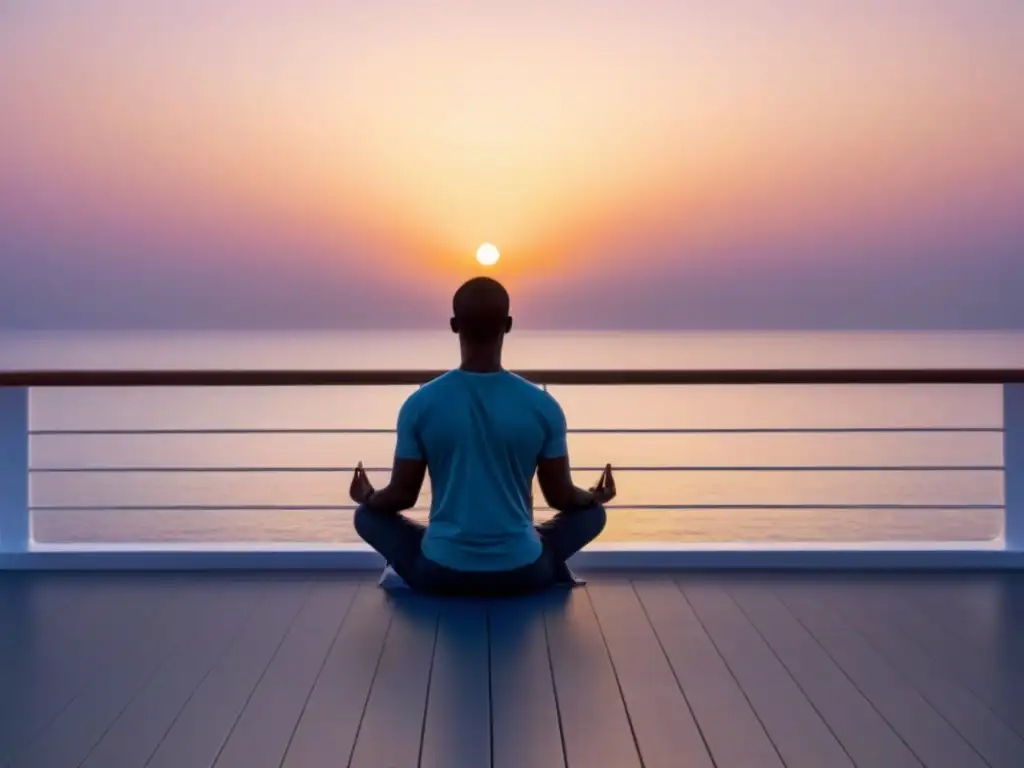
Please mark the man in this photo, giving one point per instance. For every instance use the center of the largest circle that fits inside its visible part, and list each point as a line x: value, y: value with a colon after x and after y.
x: 482, y: 432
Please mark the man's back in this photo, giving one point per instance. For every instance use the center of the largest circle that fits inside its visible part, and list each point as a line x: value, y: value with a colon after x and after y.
x: 481, y: 435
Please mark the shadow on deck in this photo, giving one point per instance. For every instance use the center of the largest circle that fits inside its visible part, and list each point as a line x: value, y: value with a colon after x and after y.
x: 732, y: 671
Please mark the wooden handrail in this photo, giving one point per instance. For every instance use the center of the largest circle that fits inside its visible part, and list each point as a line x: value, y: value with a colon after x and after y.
x: 300, y: 377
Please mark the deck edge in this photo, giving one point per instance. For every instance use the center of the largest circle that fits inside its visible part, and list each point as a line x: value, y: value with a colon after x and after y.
x: 653, y: 559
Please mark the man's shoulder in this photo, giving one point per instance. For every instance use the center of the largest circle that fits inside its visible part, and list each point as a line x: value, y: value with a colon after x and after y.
x: 429, y: 391
x: 447, y: 385
x: 537, y: 395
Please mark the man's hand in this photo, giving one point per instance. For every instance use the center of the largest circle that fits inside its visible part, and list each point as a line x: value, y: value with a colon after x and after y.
x: 360, y: 489
x: 604, y: 491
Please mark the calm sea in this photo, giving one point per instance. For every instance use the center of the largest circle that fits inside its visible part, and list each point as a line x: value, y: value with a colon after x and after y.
x: 196, y: 470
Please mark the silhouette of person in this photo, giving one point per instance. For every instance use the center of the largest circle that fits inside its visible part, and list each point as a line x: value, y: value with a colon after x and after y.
x: 482, y: 433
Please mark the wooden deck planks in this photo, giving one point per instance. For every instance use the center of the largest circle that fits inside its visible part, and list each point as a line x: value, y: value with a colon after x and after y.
x: 33, y: 604
x: 983, y: 674
x: 994, y: 740
x: 732, y: 730
x: 665, y: 729
x: 935, y: 742
x: 982, y: 615
x: 391, y: 732
x: 35, y: 616
x: 297, y: 671
x: 524, y: 713
x: 801, y: 736
x: 325, y: 735
x: 984, y: 623
x: 203, y: 725
x: 134, y: 736
x: 260, y: 737
x: 457, y: 731
x: 43, y: 677
x: 81, y: 724
x: 586, y: 687
x: 863, y: 732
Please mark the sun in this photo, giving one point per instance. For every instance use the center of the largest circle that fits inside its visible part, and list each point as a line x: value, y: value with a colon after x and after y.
x: 487, y: 255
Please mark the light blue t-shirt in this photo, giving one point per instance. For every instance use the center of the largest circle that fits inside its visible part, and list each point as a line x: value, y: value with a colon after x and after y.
x: 481, y: 435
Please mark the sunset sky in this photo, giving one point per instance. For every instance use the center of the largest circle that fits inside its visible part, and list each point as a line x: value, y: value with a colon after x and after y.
x: 652, y: 163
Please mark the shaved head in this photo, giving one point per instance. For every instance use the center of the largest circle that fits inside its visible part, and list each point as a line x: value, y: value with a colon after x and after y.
x: 480, y: 310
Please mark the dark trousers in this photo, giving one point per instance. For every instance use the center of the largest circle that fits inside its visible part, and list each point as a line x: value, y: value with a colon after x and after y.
x: 399, y: 540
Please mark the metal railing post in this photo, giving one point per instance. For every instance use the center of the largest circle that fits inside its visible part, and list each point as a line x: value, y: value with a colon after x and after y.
x: 14, y: 481
x: 1013, y: 457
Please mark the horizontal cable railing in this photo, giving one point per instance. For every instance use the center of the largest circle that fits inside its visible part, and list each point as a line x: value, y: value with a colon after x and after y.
x: 213, y: 467
x: 587, y: 431
x: 158, y: 469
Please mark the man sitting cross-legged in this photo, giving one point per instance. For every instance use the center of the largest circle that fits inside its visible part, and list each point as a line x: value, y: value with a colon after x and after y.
x: 482, y: 433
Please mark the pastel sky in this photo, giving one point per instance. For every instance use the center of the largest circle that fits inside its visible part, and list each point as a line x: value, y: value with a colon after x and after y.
x: 641, y: 164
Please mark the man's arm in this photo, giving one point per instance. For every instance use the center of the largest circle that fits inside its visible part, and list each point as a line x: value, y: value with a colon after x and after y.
x: 553, y: 467
x: 556, y: 484
x: 404, y: 489
x: 408, y: 471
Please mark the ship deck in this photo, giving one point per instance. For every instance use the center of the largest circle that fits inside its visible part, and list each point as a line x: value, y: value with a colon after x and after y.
x: 307, y: 669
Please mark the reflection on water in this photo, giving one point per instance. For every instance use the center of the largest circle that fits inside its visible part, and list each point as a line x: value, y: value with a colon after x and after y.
x: 525, y: 349
x: 625, y: 526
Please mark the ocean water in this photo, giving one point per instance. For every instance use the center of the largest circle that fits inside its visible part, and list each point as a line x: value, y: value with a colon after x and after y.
x: 218, y: 487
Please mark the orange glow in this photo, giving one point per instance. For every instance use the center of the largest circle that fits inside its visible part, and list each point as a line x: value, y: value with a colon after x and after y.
x: 546, y: 129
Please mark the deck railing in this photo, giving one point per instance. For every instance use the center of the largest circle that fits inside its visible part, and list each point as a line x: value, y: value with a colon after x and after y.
x: 17, y: 548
